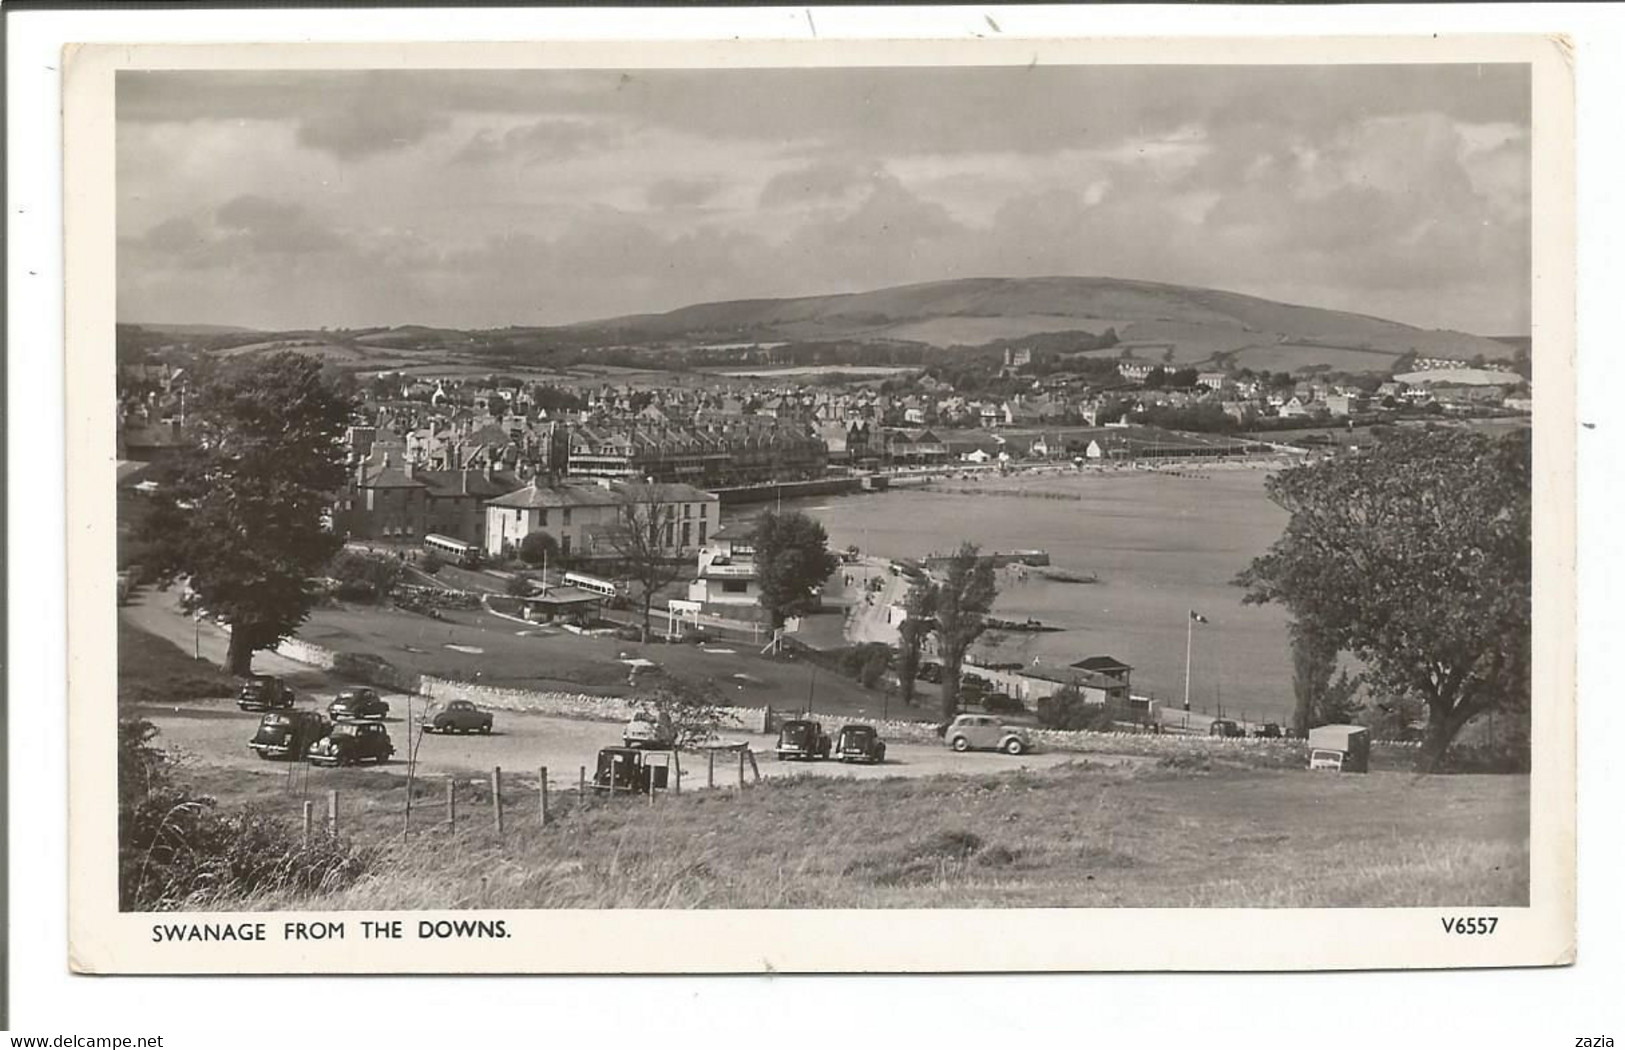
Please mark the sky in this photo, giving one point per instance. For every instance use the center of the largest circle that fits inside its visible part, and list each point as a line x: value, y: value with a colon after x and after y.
x: 481, y: 199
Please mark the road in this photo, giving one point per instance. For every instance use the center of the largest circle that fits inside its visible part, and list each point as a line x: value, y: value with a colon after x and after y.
x: 216, y: 733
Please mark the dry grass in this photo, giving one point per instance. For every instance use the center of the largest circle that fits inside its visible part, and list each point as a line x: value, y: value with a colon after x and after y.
x: 1077, y: 836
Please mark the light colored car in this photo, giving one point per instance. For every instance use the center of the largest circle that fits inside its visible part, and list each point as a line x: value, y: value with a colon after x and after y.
x: 1320, y: 758
x: 985, y: 733
x: 646, y: 729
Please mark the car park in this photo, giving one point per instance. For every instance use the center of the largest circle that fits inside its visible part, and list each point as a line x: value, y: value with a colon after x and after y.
x: 265, y: 692
x: 985, y: 733
x: 356, y: 704
x: 288, y: 734
x: 649, y: 729
x: 351, y: 743
x: 459, y: 716
x: 1225, y: 727
x: 802, y: 738
x: 859, y: 743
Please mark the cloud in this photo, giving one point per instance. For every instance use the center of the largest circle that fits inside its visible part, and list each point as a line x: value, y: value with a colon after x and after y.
x: 358, y: 132
x: 682, y: 193
x: 264, y: 225
x: 814, y: 182
x: 540, y: 142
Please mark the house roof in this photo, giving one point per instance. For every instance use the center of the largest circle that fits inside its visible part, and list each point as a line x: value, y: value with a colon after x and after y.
x: 1068, y: 676
x: 444, y: 483
x: 1105, y: 664
x: 389, y: 478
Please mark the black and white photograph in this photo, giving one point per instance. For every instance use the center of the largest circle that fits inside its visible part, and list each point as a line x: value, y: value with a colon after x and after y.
x: 765, y: 488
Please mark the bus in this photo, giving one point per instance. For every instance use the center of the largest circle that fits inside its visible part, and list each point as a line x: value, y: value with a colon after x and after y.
x: 452, y: 550
x: 607, y: 588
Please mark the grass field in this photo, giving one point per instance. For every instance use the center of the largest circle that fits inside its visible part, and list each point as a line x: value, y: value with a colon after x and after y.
x: 1083, y: 835
x: 151, y: 670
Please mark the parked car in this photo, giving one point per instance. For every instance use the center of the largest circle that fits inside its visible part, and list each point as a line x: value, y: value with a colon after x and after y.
x: 860, y: 743
x: 351, y: 743
x: 648, y: 729
x: 264, y: 692
x: 288, y: 734
x: 930, y: 672
x: 634, y: 770
x: 984, y: 732
x: 353, y: 705
x: 1320, y: 758
x: 800, y: 738
x: 1225, y: 727
x: 459, y: 716
x: 1268, y: 731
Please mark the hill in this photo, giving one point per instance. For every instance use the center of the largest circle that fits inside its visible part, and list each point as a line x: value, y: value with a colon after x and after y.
x: 1161, y: 322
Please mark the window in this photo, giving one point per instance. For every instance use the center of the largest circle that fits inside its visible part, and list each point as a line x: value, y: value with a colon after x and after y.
x: 564, y: 545
x: 566, y: 516
x: 702, y: 532
x: 704, y: 508
x: 735, y: 586
x: 541, y: 517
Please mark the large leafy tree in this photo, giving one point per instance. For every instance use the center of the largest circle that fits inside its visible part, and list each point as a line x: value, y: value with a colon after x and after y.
x: 920, y: 608
x: 792, y: 560
x: 1415, y: 557
x: 243, y: 517
x: 964, y: 597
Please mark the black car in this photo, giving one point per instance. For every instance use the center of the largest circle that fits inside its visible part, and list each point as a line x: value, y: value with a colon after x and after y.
x: 800, y: 738
x: 353, y: 705
x: 288, y: 734
x: 1225, y: 727
x: 459, y: 716
x: 1268, y: 731
x: 264, y: 692
x: 930, y: 672
x: 860, y: 743
x: 632, y: 770
x: 351, y: 743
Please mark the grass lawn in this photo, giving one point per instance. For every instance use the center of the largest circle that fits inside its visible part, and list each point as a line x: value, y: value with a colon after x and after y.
x: 1083, y: 835
x: 153, y: 670
x: 497, y: 652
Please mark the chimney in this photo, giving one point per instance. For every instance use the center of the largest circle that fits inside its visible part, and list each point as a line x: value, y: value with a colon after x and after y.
x: 489, y: 469
x: 407, y: 466
x: 385, y: 464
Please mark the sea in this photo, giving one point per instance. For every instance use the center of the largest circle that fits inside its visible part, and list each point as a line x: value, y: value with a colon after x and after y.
x: 1163, y: 544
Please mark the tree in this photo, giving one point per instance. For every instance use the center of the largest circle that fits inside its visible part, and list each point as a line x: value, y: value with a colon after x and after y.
x: 691, y: 712
x: 539, y: 548
x: 364, y: 577
x: 244, y: 518
x: 1415, y: 557
x: 1066, y: 708
x: 920, y: 607
x: 964, y: 598
x: 793, y: 560
x: 642, y: 539
x: 1156, y: 378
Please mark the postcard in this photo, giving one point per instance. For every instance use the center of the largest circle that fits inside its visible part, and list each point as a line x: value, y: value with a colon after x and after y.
x: 826, y: 506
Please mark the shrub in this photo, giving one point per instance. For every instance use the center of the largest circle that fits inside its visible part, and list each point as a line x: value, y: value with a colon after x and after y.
x: 539, y: 547
x: 431, y: 563
x: 176, y: 850
x: 364, y: 577
x: 518, y: 585
x: 1067, y: 709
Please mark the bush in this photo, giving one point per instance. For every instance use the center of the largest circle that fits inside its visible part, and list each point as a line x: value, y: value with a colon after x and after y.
x: 176, y: 850
x: 539, y: 547
x: 431, y: 563
x: 364, y: 577
x: 1067, y: 709
x: 1000, y: 704
x: 518, y: 585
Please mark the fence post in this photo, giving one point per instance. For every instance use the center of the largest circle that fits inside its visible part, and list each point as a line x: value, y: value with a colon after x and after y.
x: 676, y: 772
x: 333, y: 812
x: 543, y: 794
x: 755, y: 770
x: 308, y: 807
x: 451, y: 802
x: 741, y: 767
x: 711, y: 769
x: 496, y: 797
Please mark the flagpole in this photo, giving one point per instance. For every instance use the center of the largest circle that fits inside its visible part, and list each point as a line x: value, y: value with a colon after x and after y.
x: 1190, y: 624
